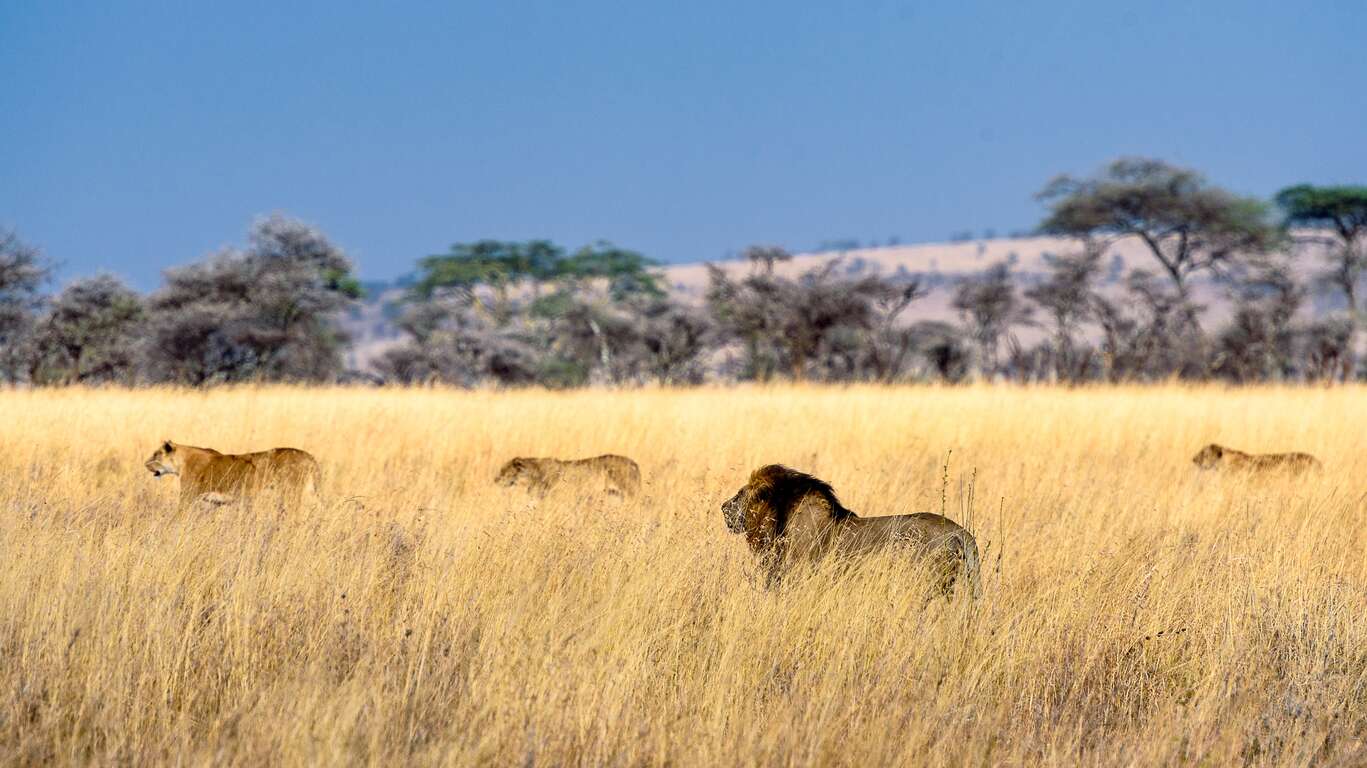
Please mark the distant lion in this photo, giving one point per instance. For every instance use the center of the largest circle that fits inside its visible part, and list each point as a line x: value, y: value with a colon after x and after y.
x: 790, y: 517
x: 206, y: 474
x: 1216, y: 456
x: 609, y: 472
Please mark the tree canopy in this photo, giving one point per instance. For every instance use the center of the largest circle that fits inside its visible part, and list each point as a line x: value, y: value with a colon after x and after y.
x: 1342, y: 208
x: 1187, y: 224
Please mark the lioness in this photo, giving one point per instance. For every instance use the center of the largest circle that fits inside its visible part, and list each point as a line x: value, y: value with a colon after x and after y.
x: 1216, y: 456
x: 218, y: 477
x: 790, y: 517
x: 612, y: 473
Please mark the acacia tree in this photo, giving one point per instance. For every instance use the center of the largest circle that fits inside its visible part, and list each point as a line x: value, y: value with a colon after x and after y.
x: 989, y: 306
x: 484, y: 273
x: 1259, y: 342
x: 1068, y: 296
x: 463, y: 319
x: 742, y: 312
x: 597, y: 317
x: 450, y: 342
x: 785, y: 322
x: 89, y: 334
x: 1187, y: 225
x: 946, y: 354
x: 523, y: 312
x: 674, y: 338
x: 887, y: 347
x: 1342, y: 209
x: 624, y: 273
x: 270, y: 311
x: 818, y: 306
x: 591, y: 315
x: 22, y: 272
x: 1147, y: 333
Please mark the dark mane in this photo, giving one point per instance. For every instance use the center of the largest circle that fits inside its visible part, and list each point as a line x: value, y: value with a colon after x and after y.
x: 782, y: 488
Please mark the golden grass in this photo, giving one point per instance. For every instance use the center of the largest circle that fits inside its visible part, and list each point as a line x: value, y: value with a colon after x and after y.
x: 423, y: 616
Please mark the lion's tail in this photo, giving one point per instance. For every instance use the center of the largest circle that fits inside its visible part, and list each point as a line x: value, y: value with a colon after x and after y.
x: 972, y: 566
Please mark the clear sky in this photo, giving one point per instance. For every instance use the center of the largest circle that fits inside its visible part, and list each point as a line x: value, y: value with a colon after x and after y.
x: 134, y: 136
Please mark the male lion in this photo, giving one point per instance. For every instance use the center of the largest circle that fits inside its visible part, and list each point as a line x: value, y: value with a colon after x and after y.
x: 790, y: 517
x: 612, y: 473
x: 1215, y: 456
x: 218, y: 477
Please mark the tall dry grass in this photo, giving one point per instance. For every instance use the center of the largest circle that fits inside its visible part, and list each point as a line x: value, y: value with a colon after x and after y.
x: 423, y: 616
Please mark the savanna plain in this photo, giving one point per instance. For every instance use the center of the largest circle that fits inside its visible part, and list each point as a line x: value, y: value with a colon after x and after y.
x: 1134, y: 610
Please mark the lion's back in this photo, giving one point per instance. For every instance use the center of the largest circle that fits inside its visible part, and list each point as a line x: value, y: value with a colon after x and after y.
x: 287, y: 459
x: 620, y: 470
x: 615, y: 473
x: 1295, y: 462
x: 921, y: 529
x: 946, y: 547
x: 219, y: 473
x: 1272, y: 462
x: 289, y: 468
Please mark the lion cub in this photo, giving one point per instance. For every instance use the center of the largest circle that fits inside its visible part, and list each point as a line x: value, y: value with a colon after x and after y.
x: 611, y: 473
x: 1215, y: 456
x: 206, y: 474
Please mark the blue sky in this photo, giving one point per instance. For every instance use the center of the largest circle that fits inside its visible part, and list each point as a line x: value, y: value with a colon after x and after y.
x: 135, y: 136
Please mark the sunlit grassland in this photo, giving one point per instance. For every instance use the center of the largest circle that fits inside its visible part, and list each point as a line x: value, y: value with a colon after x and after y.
x: 419, y: 614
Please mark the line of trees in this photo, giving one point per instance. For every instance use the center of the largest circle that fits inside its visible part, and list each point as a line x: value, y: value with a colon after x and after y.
x: 534, y: 313
x: 265, y: 312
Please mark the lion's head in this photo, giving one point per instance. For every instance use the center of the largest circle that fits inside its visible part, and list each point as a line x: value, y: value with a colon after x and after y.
x: 1209, y: 457
x: 760, y: 508
x: 163, y: 461
x: 519, y: 471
